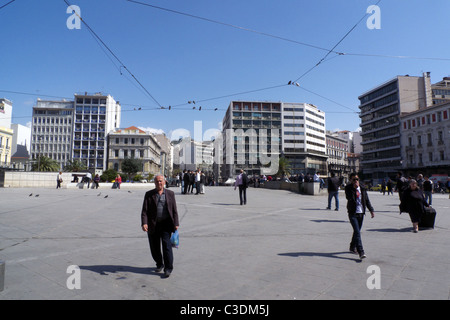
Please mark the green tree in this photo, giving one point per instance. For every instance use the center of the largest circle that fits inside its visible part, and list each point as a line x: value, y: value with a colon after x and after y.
x: 75, y: 166
x: 108, y: 175
x: 45, y: 164
x: 284, y: 166
x: 131, y: 166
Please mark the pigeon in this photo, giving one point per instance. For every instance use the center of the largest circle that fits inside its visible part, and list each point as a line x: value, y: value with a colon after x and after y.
x: 99, y: 194
x: 37, y: 195
x: 129, y: 191
x: 30, y: 194
x: 106, y: 196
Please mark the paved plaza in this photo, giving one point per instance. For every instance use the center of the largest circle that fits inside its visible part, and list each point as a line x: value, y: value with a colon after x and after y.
x: 280, y: 246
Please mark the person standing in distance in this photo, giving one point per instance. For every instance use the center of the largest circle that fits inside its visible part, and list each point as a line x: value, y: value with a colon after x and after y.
x: 357, y: 201
x: 242, y: 183
x: 159, y: 218
x: 333, y: 190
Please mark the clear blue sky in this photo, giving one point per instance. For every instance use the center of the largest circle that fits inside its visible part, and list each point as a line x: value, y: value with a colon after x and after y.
x: 178, y: 58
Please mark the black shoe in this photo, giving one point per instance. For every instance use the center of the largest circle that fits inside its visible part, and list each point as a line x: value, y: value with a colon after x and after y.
x: 353, y: 250
x: 159, y: 269
x: 167, y: 273
x: 362, y: 255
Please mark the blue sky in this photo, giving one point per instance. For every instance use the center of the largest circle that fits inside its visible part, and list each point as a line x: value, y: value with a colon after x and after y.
x: 178, y: 58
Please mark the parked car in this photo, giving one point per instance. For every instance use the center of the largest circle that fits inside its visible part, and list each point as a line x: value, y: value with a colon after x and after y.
x: 376, y: 188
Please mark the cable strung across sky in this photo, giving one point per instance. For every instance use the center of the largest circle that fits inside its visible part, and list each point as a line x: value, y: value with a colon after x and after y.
x: 122, y: 65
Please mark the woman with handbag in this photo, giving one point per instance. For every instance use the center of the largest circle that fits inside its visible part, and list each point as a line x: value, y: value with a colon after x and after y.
x: 413, y: 202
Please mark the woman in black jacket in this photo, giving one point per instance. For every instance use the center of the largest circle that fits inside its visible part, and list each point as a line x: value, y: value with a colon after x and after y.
x: 414, y: 203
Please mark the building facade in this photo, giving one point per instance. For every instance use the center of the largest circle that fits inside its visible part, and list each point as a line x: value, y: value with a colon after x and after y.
x: 256, y: 134
x: 304, y: 138
x: 440, y: 91
x: 251, y: 131
x: 337, y: 152
x: 380, y: 122
x: 6, y: 133
x: 52, y: 130
x: 95, y: 116
x: 134, y: 143
x: 426, y: 140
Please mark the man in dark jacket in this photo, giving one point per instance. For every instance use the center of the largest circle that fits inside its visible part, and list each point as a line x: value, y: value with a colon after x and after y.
x: 357, y: 201
x: 159, y: 218
x: 333, y: 190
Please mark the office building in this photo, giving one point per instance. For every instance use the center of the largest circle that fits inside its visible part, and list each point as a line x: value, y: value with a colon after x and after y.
x: 380, y: 122
x: 440, y: 91
x: 95, y: 116
x: 304, y: 138
x: 256, y: 134
x: 51, y: 130
x: 251, y: 132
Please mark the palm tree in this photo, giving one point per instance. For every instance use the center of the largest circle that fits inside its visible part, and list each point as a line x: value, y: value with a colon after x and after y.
x: 75, y: 166
x: 284, y: 166
x: 45, y: 164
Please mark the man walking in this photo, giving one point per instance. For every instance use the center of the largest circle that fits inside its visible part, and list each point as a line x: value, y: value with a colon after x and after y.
x: 428, y: 190
x: 59, y: 180
x: 159, y: 218
x: 333, y: 190
x: 242, y: 183
x: 357, y: 201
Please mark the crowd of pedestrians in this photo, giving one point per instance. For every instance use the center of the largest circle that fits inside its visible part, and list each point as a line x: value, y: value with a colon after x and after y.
x: 193, y: 179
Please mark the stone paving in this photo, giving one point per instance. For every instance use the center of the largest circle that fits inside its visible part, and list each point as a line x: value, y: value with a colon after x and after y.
x: 280, y: 246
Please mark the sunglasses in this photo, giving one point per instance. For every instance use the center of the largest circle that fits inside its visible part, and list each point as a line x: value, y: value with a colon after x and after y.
x: 356, y: 179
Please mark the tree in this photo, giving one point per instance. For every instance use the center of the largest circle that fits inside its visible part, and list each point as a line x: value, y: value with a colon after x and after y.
x: 75, y: 166
x: 108, y: 175
x: 131, y: 166
x: 284, y: 166
x: 46, y: 164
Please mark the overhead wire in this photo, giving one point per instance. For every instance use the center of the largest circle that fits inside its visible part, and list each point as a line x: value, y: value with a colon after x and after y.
x: 6, y: 4
x: 122, y: 65
x: 179, y: 106
x: 229, y: 25
x: 334, y: 47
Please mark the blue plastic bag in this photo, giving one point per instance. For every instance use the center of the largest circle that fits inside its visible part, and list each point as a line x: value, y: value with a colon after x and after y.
x: 175, y: 239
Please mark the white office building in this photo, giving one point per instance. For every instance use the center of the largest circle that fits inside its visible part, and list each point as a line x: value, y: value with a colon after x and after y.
x: 51, y: 130
x: 95, y: 116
